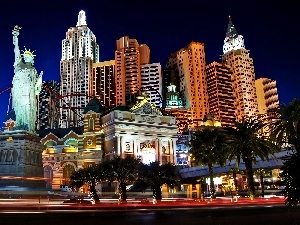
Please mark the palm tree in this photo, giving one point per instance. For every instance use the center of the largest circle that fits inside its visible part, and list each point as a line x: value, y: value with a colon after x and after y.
x: 234, y: 170
x: 291, y: 180
x: 286, y: 130
x: 245, y: 142
x: 123, y: 170
x: 208, y: 147
x: 286, y: 126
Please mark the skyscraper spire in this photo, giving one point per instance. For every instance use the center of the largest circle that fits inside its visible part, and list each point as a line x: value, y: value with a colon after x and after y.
x: 81, y: 18
x: 231, y: 31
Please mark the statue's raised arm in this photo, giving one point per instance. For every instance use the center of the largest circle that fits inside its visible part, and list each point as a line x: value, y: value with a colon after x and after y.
x: 15, y: 33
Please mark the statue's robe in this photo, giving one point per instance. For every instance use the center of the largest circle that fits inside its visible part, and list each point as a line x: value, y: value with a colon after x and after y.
x: 24, y: 96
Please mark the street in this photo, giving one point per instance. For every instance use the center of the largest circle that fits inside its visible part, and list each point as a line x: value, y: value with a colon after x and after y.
x: 227, y: 215
x: 220, y: 211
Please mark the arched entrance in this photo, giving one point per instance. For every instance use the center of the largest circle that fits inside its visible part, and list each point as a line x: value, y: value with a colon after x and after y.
x: 48, y: 175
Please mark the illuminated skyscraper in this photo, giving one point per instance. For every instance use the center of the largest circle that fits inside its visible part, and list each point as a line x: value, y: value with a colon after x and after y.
x: 103, y: 83
x: 129, y: 56
x: 190, y: 64
x: 79, y: 52
x: 243, y: 76
x: 220, y: 98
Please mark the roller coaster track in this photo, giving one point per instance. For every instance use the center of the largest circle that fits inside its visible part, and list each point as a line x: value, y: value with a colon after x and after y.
x: 5, y: 89
x: 58, y: 97
x: 149, y: 88
x: 161, y: 99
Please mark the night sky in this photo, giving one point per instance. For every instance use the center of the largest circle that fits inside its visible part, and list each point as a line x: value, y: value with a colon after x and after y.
x: 270, y: 30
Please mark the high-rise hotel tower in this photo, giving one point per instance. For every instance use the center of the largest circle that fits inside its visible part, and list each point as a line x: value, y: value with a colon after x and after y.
x: 79, y: 52
x: 129, y: 56
x: 190, y: 64
x: 219, y: 87
x: 268, y: 102
x: 243, y: 77
x: 103, y: 83
x: 267, y: 95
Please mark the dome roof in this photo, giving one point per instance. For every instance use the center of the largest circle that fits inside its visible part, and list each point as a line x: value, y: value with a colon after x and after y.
x: 49, y: 151
x: 94, y: 105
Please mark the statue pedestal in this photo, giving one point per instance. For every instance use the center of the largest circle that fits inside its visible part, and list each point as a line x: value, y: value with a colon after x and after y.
x: 21, y: 165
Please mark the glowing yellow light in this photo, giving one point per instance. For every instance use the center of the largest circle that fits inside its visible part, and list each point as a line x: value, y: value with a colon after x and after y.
x: 9, y: 139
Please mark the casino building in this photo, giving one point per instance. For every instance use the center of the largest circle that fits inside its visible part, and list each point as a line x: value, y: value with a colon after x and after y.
x: 141, y: 131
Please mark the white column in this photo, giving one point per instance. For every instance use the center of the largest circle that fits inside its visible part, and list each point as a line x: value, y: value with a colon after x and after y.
x: 134, y: 148
x: 160, y: 151
x: 174, y: 150
x: 118, y: 150
x: 171, y: 150
x: 156, y: 150
x: 138, y: 146
x: 123, y: 147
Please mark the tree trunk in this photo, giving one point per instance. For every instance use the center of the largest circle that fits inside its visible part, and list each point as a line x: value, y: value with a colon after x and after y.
x: 203, y: 188
x: 261, y: 177
x: 235, y: 182
x: 212, y: 184
x: 93, y: 192
x: 122, y: 192
x: 250, y: 180
x: 157, y: 195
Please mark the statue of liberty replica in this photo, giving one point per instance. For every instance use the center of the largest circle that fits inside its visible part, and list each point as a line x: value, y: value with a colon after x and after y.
x: 20, y: 148
x: 26, y: 86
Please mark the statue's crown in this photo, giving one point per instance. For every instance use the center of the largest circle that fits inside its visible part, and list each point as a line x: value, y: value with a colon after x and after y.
x: 28, y: 52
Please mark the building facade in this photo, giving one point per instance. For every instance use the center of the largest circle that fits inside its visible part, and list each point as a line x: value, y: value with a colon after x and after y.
x: 243, y: 77
x: 170, y: 76
x: 141, y: 131
x: 190, y: 64
x: 268, y: 102
x: 219, y: 87
x: 103, y: 83
x: 69, y: 149
x: 79, y: 51
x: 21, y: 161
x: 151, y: 82
x: 174, y: 107
x: 267, y: 95
x: 48, y: 113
